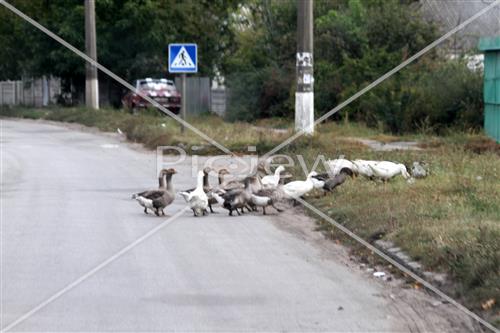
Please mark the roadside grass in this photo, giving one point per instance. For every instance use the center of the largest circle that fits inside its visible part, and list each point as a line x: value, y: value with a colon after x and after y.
x: 449, y: 221
x: 153, y: 129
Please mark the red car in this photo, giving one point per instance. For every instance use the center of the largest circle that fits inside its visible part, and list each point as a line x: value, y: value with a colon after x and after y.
x: 162, y: 91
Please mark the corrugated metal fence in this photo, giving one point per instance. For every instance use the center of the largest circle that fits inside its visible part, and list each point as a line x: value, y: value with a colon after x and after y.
x: 198, y: 94
x: 201, y: 98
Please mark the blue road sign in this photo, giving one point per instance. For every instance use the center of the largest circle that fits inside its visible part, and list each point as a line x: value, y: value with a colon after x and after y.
x: 182, y: 58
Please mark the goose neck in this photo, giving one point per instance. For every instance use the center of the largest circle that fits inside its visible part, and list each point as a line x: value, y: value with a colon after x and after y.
x: 199, y: 181
x: 170, y: 186
x: 205, y: 180
x: 161, y: 181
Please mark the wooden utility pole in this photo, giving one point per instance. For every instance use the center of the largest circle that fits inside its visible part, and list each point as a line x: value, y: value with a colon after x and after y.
x: 304, y: 96
x: 91, y: 83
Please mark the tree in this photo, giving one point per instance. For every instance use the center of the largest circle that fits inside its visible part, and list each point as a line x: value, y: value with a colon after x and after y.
x: 132, y: 36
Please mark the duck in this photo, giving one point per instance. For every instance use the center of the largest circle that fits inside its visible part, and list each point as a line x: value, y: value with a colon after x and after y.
x: 328, y: 183
x: 386, y: 170
x: 197, y: 199
x: 271, y: 181
x: 267, y: 197
x: 157, y: 200
x: 298, y: 188
x: 236, y: 198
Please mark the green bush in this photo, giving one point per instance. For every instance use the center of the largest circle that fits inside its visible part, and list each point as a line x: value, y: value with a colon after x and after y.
x: 355, y: 42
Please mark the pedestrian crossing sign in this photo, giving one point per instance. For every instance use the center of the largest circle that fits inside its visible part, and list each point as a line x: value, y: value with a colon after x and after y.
x: 182, y: 58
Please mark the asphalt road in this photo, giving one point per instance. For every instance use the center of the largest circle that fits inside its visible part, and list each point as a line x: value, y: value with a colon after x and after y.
x: 66, y: 208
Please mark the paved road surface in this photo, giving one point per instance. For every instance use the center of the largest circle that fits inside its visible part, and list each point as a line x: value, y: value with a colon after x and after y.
x: 66, y: 208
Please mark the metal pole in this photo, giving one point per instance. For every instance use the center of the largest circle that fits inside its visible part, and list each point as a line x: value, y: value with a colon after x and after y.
x: 304, y: 96
x: 91, y: 83
x: 183, y: 101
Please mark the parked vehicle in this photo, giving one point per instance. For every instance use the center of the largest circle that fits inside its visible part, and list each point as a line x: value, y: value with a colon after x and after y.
x: 162, y: 91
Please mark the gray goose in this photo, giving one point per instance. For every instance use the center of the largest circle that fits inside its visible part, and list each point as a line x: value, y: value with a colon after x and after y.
x: 157, y: 200
x: 237, y: 198
x: 328, y: 183
x: 268, y: 197
x: 228, y: 185
x: 141, y: 196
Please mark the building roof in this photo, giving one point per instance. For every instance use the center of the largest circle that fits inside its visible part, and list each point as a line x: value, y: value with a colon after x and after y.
x: 489, y: 43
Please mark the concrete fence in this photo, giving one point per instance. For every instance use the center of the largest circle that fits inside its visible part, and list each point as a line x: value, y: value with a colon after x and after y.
x: 39, y: 92
x: 218, y: 101
x: 30, y: 92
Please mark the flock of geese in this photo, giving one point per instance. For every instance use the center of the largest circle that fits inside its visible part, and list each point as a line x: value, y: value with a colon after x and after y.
x: 261, y: 190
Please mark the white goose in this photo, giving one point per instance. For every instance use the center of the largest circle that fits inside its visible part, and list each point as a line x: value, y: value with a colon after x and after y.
x: 197, y: 199
x: 271, y: 181
x: 298, y: 188
x: 386, y: 170
x: 363, y: 167
x: 336, y: 165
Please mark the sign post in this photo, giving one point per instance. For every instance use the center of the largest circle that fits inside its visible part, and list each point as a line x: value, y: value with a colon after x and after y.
x: 183, y: 104
x: 183, y: 58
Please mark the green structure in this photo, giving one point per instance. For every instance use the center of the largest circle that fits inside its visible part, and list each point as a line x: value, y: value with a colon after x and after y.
x: 491, y: 48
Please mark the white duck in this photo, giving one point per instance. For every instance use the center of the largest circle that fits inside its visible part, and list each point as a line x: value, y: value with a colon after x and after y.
x: 197, y: 199
x: 386, y: 170
x: 336, y: 165
x: 298, y: 188
x: 271, y: 181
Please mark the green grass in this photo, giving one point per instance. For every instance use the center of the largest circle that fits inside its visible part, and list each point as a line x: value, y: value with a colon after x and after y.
x: 449, y: 221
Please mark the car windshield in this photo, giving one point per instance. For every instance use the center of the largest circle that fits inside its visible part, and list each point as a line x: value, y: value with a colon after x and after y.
x: 156, y: 85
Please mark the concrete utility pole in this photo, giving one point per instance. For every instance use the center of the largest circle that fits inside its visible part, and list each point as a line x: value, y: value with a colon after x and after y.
x: 91, y: 83
x: 304, y: 97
